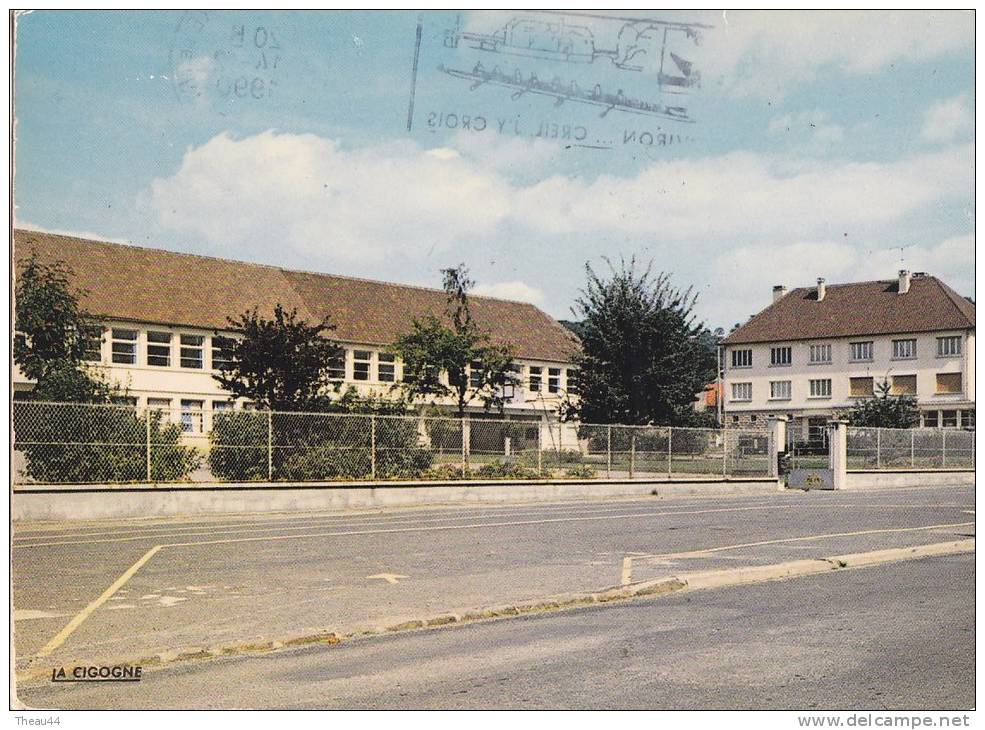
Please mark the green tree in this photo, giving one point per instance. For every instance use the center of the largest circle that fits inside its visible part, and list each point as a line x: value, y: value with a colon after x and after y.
x: 644, y: 357
x: 281, y: 363
x: 77, y: 437
x: 53, y: 333
x: 477, y: 370
x: 885, y: 410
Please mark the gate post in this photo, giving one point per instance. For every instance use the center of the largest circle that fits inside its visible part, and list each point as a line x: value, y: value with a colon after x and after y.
x: 777, y: 443
x: 838, y: 453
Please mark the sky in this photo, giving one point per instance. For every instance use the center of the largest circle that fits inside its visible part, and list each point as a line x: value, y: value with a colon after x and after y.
x: 733, y: 150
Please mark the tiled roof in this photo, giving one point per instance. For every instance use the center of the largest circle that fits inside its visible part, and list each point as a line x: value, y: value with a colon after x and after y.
x: 150, y: 285
x: 853, y: 310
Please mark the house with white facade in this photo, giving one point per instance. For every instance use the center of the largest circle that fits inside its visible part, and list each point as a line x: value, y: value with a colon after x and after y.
x: 165, y: 316
x: 815, y: 351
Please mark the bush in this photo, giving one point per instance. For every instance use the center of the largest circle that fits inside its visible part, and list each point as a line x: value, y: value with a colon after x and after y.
x: 582, y: 471
x: 238, y: 446
x: 444, y: 472
x: 314, y: 447
x: 84, y: 443
x: 504, y: 470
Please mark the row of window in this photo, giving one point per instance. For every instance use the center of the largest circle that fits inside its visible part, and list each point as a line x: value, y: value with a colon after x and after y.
x: 820, y: 354
x: 367, y: 365
x: 191, y: 349
x: 947, y: 383
x: 929, y: 419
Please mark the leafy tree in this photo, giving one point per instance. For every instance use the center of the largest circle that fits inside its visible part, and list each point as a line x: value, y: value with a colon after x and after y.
x: 281, y: 363
x: 885, y: 410
x: 52, y: 334
x: 644, y: 357
x: 77, y: 437
x: 577, y: 327
x: 476, y: 369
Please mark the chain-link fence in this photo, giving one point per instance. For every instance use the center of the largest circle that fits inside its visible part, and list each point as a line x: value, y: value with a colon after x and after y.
x: 910, y: 448
x: 70, y: 443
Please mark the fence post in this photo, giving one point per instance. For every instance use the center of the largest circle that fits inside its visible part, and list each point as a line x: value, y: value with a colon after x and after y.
x: 372, y: 446
x: 466, y: 435
x: 540, y: 447
x: 670, y: 448
x: 147, y: 419
x: 608, y: 451
x: 913, y: 457
x: 943, y: 448
x: 632, y: 453
x: 724, y: 435
x: 878, y: 448
x: 270, y: 446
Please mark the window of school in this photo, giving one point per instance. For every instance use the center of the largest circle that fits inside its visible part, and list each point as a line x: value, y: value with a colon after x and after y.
x: 124, y: 346
x: 386, y: 367
x: 361, y: 362
x: 192, y: 351
x: 159, y: 349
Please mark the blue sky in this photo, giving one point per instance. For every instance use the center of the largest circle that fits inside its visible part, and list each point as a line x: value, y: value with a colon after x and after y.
x: 828, y: 144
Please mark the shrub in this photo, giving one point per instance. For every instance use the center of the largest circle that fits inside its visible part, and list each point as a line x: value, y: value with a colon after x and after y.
x: 314, y: 447
x: 83, y: 443
x: 504, y: 470
x: 238, y: 446
x: 444, y: 472
x: 582, y: 471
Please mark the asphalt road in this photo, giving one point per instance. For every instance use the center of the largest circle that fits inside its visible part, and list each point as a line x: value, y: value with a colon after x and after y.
x: 898, y: 636
x: 202, y: 582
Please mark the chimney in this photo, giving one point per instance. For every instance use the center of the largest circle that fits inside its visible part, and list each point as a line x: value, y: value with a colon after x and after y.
x: 820, y: 288
x: 779, y: 291
x: 904, y: 281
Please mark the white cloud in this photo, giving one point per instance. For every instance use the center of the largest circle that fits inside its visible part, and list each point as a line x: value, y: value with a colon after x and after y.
x: 516, y: 290
x: 765, y: 52
x: 745, y: 194
x: 309, y: 199
x: 308, y: 195
x: 743, y: 278
x: 948, y: 119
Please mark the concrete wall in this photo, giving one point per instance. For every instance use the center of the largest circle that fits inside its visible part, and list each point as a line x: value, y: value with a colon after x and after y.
x: 89, y: 503
x: 887, y: 479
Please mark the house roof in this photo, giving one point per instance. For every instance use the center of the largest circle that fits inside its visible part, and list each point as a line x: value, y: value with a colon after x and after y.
x: 137, y: 284
x: 853, y: 310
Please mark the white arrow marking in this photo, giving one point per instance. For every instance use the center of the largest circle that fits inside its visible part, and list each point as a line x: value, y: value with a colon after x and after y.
x: 388, y: 577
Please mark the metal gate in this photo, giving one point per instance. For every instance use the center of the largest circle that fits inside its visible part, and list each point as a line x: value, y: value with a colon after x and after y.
x: 807, y: 462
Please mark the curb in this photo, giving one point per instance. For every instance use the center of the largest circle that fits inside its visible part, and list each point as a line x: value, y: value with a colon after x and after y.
x: 703, y: 580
